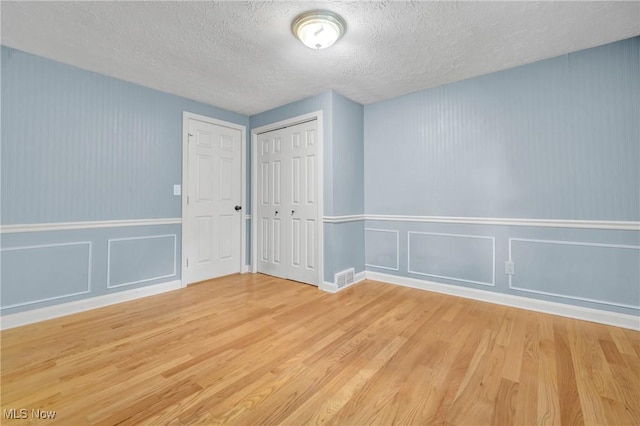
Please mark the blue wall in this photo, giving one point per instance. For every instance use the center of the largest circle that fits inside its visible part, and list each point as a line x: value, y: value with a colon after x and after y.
x: 346, y: 240
x: 80, y: 146
x: 348, y: 156
x: 556, y: 139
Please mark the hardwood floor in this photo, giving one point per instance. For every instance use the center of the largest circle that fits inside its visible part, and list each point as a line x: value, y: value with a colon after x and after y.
x: 251, y: 349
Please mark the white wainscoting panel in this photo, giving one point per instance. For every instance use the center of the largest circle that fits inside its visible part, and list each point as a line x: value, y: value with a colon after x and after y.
x: 109, y: 255
x: 395, y: 267
x: 451, y: 277
x: 565, y: 260
x: 88, y: 244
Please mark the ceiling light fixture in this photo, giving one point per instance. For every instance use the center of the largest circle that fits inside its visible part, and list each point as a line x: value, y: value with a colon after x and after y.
x: 318, y: 29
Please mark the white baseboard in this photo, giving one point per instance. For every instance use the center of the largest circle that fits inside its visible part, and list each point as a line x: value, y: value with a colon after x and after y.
x: 55, y: 311
x: 578, y: 312
x: 333, y: 288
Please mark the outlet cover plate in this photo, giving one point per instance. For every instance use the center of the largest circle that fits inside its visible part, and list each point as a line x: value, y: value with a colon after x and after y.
x: 509, y: 268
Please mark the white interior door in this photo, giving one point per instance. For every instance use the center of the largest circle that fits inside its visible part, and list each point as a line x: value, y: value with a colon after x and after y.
x: 302, y: 208
x: 214, y: 194
x: 271, y: 209
x: 287, y: 203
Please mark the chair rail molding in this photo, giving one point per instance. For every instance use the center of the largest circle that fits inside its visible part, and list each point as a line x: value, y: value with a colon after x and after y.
x: 545, y: 223
x: 67, y: 226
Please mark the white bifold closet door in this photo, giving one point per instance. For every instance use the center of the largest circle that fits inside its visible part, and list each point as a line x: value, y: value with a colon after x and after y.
x: 287, y: 202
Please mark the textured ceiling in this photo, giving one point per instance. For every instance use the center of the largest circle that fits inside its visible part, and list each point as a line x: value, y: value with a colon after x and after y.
x: 241, y: 56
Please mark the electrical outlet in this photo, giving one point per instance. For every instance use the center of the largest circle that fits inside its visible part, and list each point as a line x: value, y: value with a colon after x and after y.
x: 509, y: 268
x: 177, y: 190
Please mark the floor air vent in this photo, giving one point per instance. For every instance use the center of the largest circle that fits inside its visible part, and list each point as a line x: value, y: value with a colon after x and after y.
x: 345, y: 278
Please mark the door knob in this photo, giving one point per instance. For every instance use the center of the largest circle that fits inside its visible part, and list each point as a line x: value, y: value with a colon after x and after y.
x: 276, y: 211
x: 293, y: 211
x: 238, y: 208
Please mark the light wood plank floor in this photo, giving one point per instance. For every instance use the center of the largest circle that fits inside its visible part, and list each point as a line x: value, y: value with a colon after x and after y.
x: 250, y: 349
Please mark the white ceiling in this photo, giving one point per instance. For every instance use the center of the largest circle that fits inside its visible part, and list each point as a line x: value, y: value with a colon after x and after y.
x: 241, y: 56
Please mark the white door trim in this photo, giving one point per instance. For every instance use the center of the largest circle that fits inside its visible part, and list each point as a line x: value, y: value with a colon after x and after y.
x: 317, y: 115
x: 186, y: 116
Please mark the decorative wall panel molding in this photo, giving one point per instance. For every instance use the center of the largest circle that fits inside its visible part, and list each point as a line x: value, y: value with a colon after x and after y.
x: 590, y: 269
x: 458, y: 259
x: 110, y: 256
x: 396, y: 234
x: 39, y: 273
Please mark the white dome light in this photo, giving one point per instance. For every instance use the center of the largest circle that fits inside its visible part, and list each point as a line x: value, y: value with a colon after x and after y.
x: 318, y: 29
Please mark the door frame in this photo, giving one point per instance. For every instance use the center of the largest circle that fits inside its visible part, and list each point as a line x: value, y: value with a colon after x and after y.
x: 317, y: 115
x: 186, y: 116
